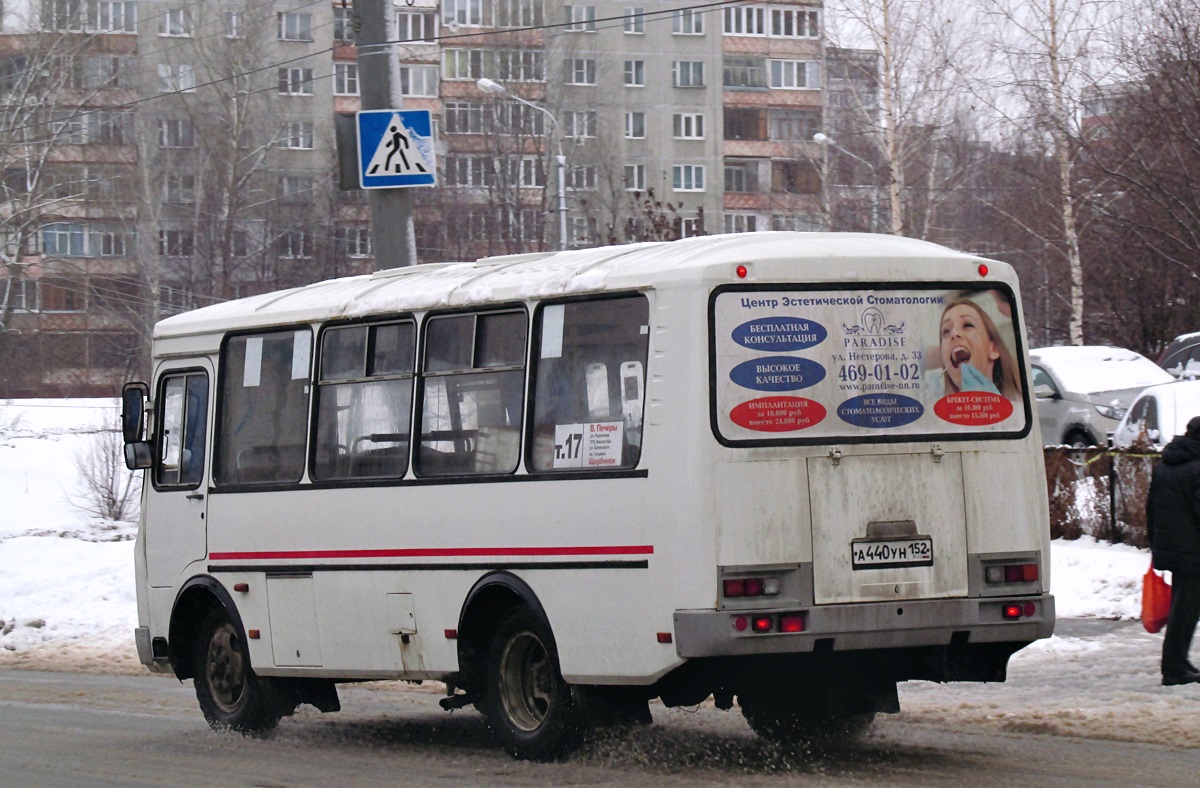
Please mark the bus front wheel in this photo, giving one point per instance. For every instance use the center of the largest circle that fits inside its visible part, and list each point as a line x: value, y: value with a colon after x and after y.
x: 231, y: 696
x: 531, y: 711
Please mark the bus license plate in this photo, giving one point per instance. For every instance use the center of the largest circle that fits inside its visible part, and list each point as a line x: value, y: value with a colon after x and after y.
x: 882, y: 553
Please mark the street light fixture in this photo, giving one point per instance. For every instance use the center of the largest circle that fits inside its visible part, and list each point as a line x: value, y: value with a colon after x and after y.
x: 495, y: 88
x: 825, y: 141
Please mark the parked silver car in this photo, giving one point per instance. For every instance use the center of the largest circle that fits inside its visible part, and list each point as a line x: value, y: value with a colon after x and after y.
x: 1082, y: 392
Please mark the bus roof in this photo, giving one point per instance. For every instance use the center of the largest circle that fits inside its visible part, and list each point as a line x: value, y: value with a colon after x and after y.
x: 548, y: 274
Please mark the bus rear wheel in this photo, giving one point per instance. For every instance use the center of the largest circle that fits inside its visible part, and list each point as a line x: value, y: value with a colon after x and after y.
x: 531, y: 711
x: 231, y: 696
x: 790, y: 719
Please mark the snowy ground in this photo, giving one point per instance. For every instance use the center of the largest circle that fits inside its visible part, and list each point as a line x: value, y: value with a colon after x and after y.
x: 67, y: 603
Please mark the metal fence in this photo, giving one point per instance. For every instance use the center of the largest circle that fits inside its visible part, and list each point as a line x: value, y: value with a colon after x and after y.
x: 1099, y: 493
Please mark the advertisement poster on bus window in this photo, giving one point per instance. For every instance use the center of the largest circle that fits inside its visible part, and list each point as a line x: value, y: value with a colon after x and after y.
x: 866, y: 364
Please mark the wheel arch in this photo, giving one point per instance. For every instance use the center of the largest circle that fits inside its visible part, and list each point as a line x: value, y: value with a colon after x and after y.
x: 198, y: 595
x: 484, y: 607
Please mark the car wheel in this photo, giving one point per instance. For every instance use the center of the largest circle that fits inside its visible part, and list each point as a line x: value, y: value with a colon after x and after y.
x: 1079, y: 439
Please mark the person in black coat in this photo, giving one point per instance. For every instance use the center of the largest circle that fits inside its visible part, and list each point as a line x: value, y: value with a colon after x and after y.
x: 1173, y: 522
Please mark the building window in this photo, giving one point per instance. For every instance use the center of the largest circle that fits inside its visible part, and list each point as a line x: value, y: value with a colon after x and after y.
x: 345, y: 79
x: 176, y: 78
x: 687, y: 73
x: 741, y: 176
x: 61, y: 295
x: 296, y: 244
x: 580, y: 18
x: 354, y: 240
x: 176, y: 243
x: 580, y: 124
x: 521, y: 65
x: 63, y: 15
x: 465, y: 63
x: 107, y: 127
x: 687, y: 22
x: 794, y: 125
x: 176, y: 133
x: 343, y: 25
x: 635, y: 21
x: 468, y: 13
x: 580, y: 71
x: 528, y: 173
x: 415, y: 81
x: 687, y: 177
x: 795, y: 74
x: 795, y: 23
x: 746, y: 21
x: 296, y: 135
x: 635, y: 125
x: 635, y: 73
x: 235, y: 24
x: 175, y: 22
x: 795, y: 177
x: 114, y: 17
x: 518, y: 13
x: 741, y: 223
x: 294, y: 27
x: 688, y: 126
x: 295, y: 82
x: 744, y: 72
x: 113, y: 241
x: 804, y: 224
x: 296, y: 189
x: 582, y: 178
x: 181, y: 188
x: 417, y: 26
x: 745, y: 124
x: 464, y: 117
x: 64, y: 240
x: 690, y: 228
x: 635, y: 177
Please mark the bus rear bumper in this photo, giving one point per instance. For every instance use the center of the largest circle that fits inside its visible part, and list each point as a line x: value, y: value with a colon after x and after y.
x: 864, y: 626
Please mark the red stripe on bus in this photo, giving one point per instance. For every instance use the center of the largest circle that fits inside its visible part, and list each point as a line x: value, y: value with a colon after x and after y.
x: 436, y: 552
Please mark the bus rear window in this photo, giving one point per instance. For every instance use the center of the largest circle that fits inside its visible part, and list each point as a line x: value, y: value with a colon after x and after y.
x: 796, y: 365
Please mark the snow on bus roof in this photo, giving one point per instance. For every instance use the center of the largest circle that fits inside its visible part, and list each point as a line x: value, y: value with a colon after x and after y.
x: 540, y: 275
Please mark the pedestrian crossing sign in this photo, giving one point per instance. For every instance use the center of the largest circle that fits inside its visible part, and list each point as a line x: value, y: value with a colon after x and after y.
x: 395, y: 148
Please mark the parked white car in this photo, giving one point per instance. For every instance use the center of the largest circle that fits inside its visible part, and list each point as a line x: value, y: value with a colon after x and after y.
x: 1082, y: 392
x: 1160, y: 413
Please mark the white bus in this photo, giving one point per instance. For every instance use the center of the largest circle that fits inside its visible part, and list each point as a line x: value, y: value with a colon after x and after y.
x: 788, y: 468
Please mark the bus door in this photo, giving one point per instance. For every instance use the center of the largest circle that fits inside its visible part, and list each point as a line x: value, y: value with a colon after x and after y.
x: 888, y: 527
x: 176, y: 506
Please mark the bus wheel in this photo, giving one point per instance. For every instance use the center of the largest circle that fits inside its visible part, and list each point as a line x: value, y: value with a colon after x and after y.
x: 786, y: 721
x: 531, y: 711
x: 230, y: 695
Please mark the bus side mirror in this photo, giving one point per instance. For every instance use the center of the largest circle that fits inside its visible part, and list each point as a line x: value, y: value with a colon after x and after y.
x: 133, y: 426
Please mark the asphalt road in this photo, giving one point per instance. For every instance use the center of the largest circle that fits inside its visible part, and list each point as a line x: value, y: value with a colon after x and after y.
x: 75, y: 729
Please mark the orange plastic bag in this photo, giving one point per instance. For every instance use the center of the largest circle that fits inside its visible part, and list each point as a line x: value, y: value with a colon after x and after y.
x: 1156, y: 600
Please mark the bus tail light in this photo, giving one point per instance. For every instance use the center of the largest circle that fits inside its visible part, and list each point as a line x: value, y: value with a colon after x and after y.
x: 762, y: 623
x: 1011, y: 573
x: 750, y: 586
x: 791, y: 622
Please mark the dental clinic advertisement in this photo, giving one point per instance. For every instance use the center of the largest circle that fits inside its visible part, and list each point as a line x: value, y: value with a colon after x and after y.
x: 830, y: 364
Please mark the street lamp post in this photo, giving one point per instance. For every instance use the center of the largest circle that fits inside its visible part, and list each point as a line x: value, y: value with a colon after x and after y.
x: 491, y: 86
x: 824, y: 140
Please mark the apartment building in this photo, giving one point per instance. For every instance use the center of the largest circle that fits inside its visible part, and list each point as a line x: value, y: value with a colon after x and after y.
x: 201, y: 164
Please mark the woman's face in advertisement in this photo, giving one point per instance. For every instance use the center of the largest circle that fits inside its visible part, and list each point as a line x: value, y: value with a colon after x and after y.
x: 965, y: 339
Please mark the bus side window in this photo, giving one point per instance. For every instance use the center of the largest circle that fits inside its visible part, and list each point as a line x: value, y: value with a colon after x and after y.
x: 473, y: 393
x: 264, y: 389
x: 364, y: 401
x: 589, y: 384
x: 183, y: 427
